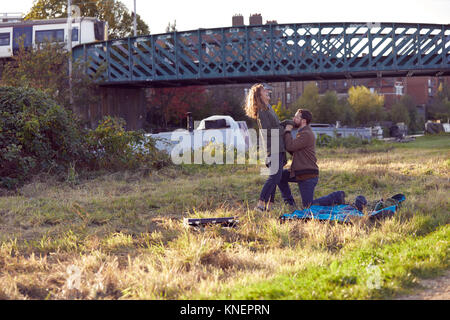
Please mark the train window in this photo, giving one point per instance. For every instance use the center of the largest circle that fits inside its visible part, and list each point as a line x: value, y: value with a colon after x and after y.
x: 75, y: 34
x: 22, y: 35
x: 50, y: 35
x: 5, y: 39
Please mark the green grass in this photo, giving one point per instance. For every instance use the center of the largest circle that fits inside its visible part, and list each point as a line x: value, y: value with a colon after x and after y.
x: 369, y: 272
x: 438, y: 141
x: 124, y: 232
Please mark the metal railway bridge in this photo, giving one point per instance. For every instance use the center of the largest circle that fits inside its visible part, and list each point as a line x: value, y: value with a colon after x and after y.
x: 249, y: 54
x: 273, y: 52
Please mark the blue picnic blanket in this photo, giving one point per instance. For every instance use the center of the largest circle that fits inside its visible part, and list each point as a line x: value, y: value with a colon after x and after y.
x: 345, y: 212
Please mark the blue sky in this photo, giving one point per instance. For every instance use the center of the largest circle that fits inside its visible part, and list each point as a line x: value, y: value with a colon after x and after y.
x: 194, y: 14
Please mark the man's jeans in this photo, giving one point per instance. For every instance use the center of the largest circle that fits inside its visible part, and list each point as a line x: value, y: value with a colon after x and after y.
x: 306, y: 188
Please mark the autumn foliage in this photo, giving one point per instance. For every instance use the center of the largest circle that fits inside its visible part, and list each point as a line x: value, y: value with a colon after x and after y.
x: 170, y: 105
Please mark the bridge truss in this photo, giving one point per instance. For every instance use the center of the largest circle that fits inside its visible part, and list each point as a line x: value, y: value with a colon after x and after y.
x: 272, y: 52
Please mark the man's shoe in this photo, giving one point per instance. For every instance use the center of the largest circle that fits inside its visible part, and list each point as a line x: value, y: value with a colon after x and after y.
x: 340, y: 198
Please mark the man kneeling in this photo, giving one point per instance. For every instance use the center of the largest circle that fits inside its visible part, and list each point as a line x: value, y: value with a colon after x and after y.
x: 304, y: 169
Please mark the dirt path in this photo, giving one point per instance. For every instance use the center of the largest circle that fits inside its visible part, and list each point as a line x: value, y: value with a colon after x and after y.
x: 434, y: 289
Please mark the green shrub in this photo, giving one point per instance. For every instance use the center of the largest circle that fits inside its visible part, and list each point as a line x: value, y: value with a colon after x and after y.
x: 323, y: 140
x: 114, y: 148
x: 35, y: 135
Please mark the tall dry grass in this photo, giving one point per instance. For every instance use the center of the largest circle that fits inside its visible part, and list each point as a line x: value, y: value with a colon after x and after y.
x: 121, y: 236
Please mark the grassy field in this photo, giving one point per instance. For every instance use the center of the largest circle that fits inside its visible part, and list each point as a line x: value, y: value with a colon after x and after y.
x: 121, y: 236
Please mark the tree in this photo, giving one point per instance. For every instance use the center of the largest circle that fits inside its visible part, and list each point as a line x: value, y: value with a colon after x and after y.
x: 171, y: 27
x: 222, y: 100
x: 405, y: 111
x: 399, y: 113
x: 309, y: 99
x: 282, y: 112
x: 368, y: 106
x: 120, y: 20
x: 440, y: 107
x: 168, y: 106
x: 46, y: 68
x: 327, y: 108
x: 345, y: 112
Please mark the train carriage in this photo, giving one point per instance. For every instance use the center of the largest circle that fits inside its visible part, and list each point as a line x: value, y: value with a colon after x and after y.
x: 33, y: 32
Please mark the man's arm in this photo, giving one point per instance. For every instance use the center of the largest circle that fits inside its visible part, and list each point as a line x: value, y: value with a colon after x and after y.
x: 301, y: 141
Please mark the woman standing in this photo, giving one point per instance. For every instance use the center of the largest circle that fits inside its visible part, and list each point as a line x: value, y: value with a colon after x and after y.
x: 257, y: 107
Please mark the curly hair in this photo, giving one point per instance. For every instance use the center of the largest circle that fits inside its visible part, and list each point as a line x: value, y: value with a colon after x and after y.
x: 253, y: 101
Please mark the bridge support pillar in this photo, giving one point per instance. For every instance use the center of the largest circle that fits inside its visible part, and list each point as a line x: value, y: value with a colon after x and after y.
x: 127, y: 103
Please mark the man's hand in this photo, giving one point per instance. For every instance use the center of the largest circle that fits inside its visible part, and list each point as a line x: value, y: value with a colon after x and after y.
x: 289, y: 127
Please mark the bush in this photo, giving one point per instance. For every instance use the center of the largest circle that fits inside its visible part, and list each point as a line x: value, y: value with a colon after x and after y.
x: 323, y: 140
x: 35, y: 135
x: 114, y: 148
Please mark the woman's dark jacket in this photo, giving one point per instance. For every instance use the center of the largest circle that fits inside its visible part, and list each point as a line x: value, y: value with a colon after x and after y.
x: 268, y: 119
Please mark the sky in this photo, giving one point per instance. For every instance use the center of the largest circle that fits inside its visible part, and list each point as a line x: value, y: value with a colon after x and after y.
x: 195, y: 14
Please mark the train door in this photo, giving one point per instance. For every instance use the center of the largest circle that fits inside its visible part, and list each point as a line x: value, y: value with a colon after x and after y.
x: 25, y: 33
x: 5, y: 42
